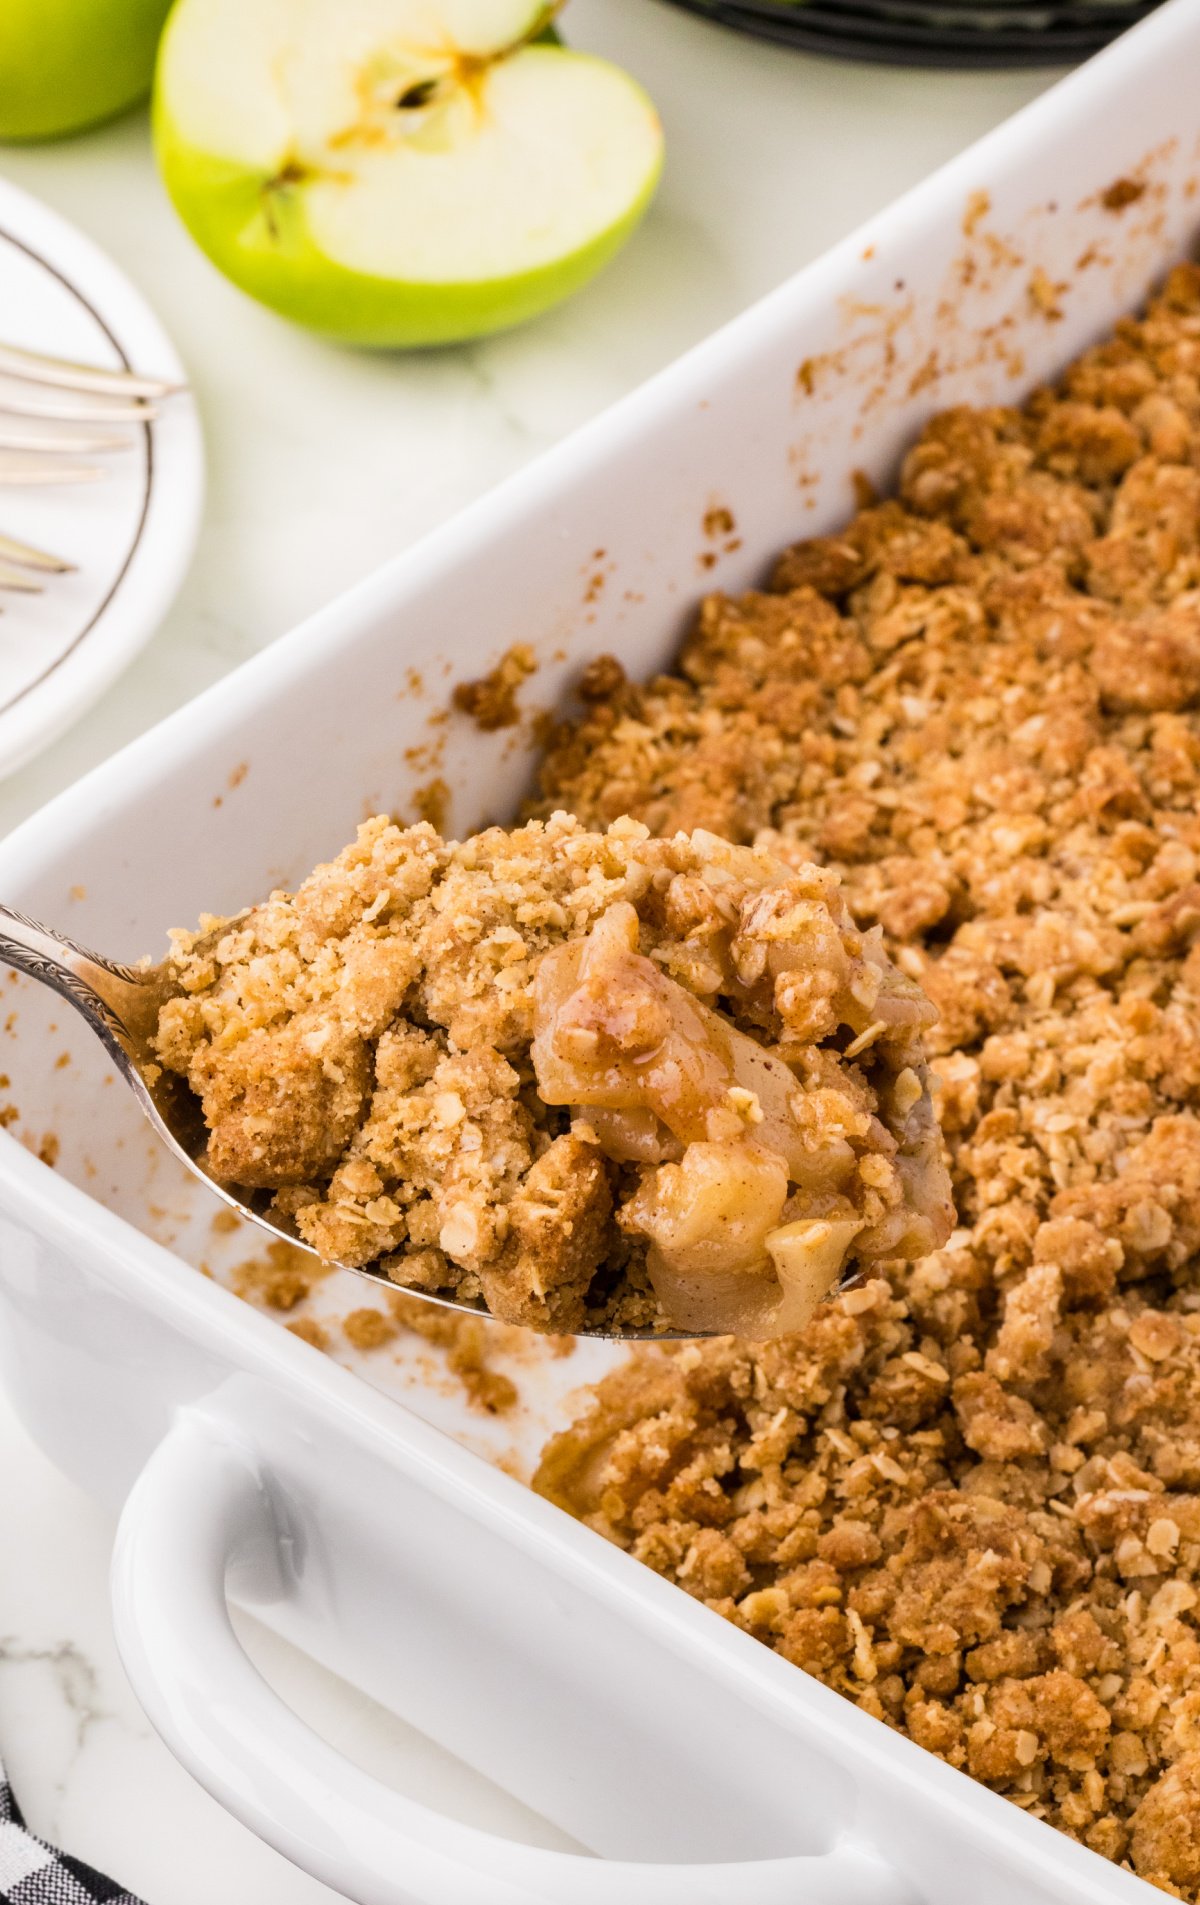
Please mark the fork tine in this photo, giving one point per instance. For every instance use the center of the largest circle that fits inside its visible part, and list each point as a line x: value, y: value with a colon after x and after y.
x: 20, y: 467
x: 60, y: 372
x: 68, y: 409
x: 28, y: 557
x: 62, y: 442
x: 18, y: 580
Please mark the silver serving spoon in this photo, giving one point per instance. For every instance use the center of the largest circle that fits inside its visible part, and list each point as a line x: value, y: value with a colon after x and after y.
x: 121, y: 1005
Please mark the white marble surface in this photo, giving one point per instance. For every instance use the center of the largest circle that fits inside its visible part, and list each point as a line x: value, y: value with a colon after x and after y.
x: 321, y: 464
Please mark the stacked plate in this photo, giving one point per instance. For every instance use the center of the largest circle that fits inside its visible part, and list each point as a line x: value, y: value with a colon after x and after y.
x: 125, y: 541
x: 934, y: 32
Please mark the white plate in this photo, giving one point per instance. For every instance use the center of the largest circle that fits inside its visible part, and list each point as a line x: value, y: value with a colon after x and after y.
x: 131, y: 536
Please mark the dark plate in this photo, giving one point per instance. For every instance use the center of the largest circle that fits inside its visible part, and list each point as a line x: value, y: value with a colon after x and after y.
x: 833, y: 18
x: 1108, y: 14
x: 956, y: 17
x: 897, y: 43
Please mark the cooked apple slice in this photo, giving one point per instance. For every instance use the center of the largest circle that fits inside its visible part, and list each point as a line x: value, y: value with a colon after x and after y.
x: 399, y: 172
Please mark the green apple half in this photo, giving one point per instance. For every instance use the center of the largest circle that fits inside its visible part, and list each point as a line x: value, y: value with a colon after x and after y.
x: 399, y: 172
x: 65, y: 64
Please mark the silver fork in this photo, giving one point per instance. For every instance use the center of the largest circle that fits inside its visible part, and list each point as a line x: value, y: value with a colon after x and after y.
x: 40, y: 395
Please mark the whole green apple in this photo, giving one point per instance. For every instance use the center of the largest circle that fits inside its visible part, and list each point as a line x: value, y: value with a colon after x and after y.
x: 66, y: 64
x: 399, y: 172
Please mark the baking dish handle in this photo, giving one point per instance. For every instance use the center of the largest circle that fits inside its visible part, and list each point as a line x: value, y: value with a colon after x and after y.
x: 202, y: 1506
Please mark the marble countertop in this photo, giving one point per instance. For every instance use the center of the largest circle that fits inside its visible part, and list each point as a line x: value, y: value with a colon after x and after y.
x: 322, y: 463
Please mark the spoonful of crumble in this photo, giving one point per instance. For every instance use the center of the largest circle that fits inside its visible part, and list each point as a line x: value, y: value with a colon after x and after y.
x: 591, y: 1083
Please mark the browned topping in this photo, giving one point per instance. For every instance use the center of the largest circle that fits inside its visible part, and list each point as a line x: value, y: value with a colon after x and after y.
x: 491, y: 702
x: 526, y: 1067
x: 968, y: 1494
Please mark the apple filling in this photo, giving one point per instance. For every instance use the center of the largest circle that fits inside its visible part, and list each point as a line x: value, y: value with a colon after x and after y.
x: 744, y: 1198
x: 588, y: 1080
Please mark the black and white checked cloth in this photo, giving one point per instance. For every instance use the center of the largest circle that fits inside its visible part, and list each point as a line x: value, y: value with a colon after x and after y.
x: 33, y: 1873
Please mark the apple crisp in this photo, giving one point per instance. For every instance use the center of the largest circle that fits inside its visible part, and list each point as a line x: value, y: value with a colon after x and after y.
x: 967, y: 1496
x: 590, y: 1080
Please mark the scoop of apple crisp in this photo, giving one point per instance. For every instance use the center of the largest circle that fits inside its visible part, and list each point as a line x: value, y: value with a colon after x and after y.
x: 590, y: 1080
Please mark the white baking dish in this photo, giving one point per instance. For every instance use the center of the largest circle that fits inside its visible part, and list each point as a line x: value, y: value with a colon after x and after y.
x: 701, y: 1768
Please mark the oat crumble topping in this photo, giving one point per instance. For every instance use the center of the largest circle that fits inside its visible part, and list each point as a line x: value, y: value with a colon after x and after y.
x: 968, y: 1494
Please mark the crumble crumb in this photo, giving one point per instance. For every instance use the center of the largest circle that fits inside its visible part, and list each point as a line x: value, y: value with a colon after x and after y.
x: 491, y: 702
x: 467, y: 1341
x: 368, y: 1329
x: 1122, y: 192
x: 310, y: 1330
x: 280, y: 1279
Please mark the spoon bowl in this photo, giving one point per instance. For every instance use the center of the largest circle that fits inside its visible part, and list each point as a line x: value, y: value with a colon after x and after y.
x: 121, y: 1005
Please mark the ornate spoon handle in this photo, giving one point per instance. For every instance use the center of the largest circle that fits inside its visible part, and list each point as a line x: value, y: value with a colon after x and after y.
x: 119, y: 1002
